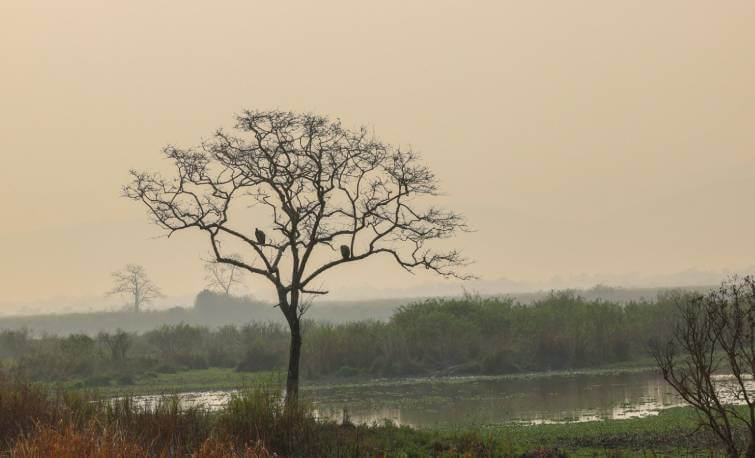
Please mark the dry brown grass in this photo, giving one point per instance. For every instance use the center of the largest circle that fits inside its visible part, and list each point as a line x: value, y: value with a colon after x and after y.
x: 95, y: 442
x: 67, y: 442
x: 37, y: 422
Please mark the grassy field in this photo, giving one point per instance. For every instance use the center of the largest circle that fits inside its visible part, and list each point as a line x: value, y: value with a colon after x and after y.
x: 214, y: 379
x: 672, y: 432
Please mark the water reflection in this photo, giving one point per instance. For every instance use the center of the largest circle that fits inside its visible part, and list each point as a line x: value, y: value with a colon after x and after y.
x: 485, y: 400
x: 491, y: 400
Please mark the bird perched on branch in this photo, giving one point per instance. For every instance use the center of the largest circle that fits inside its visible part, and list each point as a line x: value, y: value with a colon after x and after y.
x: 260, y: 236
x: 345, y: 252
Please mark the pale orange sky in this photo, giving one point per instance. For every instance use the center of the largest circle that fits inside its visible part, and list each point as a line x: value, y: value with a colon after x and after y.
x: 580, y: 136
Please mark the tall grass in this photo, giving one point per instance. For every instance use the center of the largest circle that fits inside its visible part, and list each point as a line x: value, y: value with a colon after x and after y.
x: 36, y: 422
x: 260, y: 414
x: 66, y: 441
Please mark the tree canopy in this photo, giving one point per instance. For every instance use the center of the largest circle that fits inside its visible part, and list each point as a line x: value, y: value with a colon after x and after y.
x: 325, y: 188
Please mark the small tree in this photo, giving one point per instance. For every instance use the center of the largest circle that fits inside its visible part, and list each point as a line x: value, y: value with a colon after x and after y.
x: 223, y: 278
x: 132, y: 282
x: 118, y: 343
x: 325, y: 188
x: 716, y: 334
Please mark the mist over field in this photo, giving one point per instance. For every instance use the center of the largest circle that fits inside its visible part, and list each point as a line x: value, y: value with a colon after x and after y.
x: 637, y: 286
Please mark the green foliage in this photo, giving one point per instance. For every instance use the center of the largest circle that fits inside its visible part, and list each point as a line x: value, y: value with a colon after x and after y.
x: 97, y: 381
x: 260, y: 413
x: 215, y: 310
x: 476, y: 335
x: 466, y: 335
x: 14, y: 343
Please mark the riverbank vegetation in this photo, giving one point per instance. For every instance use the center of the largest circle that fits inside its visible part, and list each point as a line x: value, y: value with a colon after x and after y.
x: 468, y: 335
x: 35, y: 421
x: 56, y: 391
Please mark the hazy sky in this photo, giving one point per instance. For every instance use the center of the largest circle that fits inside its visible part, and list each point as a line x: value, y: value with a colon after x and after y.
x: 576, y: 136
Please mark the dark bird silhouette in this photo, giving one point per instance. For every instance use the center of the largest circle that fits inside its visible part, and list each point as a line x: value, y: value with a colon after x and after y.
x: 345, y: 252
x: 260, y: 236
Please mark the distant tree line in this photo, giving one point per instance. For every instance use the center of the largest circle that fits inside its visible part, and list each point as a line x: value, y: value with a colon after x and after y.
x: 210, y: 308
x: 467, y: 335
x: 215, y: 308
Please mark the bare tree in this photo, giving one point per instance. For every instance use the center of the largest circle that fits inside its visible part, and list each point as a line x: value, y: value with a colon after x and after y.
x: 325, y: 188
x: 132, y: 282
x: 223, y: 277
x: 715, y: 335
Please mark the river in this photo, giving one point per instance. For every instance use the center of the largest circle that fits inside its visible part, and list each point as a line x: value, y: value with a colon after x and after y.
x: 483, y: 400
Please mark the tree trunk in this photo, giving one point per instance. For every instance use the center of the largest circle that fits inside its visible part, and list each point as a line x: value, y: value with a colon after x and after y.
x: 292, y: 381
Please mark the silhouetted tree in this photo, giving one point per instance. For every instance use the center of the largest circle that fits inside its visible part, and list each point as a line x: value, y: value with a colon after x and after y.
x: 222, y: 277
x: 322, y: 184
x: 132, y: 282
x: 716, y: 334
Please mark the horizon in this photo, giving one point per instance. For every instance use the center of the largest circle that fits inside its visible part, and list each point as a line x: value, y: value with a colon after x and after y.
x: 690, y: 278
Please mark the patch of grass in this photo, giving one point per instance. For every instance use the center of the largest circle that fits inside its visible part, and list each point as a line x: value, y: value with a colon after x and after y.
x: 673, y: 431
x: 212, y: 379
x: 215, y: 379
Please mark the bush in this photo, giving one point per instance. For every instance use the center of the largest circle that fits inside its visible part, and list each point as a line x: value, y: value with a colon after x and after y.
x: 259, y: 359
x: 259, y: 414
x: 347, y: 372
x: 97, y: 380
x: 167, y: 369
x: 191, y: 361
x: 125, y: 379
x: 469, y: 334
x: 500, y: 362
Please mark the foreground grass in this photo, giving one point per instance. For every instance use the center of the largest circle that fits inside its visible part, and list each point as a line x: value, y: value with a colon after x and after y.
x: 672, y: 432
x: 37, y: 422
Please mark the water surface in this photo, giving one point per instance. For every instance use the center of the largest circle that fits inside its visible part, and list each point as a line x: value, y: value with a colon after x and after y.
x: 533, y: 399
x: 483, y: 400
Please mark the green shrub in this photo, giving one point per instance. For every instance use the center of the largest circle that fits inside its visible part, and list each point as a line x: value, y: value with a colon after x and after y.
x: 167, y: 369
x: 347, y: 372
x: 125, y: 379
x: 259, y: 359
x: 97, y: 380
